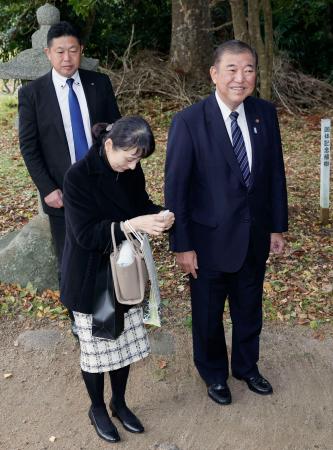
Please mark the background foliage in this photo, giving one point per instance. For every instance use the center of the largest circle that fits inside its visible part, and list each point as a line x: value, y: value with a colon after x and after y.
x: 303, y: 28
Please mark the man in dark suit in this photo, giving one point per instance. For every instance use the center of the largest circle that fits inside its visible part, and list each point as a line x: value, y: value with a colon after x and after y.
x: 56, y: 113
x: 225, y: 182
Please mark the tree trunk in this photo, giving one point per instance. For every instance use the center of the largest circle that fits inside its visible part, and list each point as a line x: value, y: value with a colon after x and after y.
x: 264, y: 48
x: 239, y: 20
x: 191, y: 43
x: 268, y: 23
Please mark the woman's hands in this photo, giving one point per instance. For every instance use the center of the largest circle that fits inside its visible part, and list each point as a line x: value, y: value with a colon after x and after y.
x: 153, y: 224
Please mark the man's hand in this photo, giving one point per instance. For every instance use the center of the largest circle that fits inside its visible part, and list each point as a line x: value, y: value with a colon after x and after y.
x: 188, y: 262
x: 54, y: 199
x: 277, y: 243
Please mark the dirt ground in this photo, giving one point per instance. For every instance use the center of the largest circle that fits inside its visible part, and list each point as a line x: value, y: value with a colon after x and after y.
x: 45, y: 397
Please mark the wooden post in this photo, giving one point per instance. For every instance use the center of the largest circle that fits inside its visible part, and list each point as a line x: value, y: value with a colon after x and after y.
x: 325, y: 170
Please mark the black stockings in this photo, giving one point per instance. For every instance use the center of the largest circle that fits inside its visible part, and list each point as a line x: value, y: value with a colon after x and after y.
x: 118, y: 383
x: 95, y: 386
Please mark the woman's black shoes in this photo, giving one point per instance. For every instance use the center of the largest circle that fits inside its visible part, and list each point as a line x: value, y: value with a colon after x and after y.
x: 102, y: 423
x: 129, y: 420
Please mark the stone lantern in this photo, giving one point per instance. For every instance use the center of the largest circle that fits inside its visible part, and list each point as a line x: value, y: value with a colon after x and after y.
x: 33, y: 63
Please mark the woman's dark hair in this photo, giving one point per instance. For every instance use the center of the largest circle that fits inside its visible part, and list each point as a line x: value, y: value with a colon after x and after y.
x: 61, y: 29
x: 126, y: 133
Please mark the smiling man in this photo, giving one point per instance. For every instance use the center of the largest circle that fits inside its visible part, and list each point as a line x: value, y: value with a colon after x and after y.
x: 56, y: 113
x: 225, y: 182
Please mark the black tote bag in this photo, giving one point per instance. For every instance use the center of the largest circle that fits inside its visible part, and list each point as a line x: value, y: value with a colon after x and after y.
x: 108, y: 314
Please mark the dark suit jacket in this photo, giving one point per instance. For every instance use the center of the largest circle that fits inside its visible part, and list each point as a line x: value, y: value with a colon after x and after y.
x: 94, y: 197
x: 42, y: 135
x: 215, y: 213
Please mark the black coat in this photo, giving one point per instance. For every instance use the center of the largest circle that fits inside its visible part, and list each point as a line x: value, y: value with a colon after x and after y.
x: 94, y: 197
x: 42, y: 135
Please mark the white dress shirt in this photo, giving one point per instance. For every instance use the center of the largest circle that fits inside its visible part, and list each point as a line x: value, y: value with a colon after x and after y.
x: 62, y: 89
x: 242, y: 123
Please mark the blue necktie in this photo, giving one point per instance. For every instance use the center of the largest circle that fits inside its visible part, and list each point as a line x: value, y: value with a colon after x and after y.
x: 239, y: 148
x: 79, y: 135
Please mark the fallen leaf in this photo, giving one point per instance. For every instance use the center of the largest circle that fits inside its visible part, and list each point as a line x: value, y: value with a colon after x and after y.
x: 303, y: 321
x: 7, y: 375
x: 268, y: 287
x: 162, y: 364
x: 52, y: 439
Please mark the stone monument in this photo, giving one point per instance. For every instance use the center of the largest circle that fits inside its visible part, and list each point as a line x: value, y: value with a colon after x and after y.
x: 28, y: 255
x: 33, y: 63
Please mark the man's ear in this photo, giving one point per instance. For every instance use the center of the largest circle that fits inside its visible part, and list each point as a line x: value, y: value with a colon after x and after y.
x: 47, y: 53
x: 213, y: 74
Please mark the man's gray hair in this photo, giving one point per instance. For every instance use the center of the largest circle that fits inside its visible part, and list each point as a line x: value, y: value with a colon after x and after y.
x: 236, y: 47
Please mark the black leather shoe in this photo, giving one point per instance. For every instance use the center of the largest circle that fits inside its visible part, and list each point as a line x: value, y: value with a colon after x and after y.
x: 257, y: 384
x: 220, y: 393
x: 129, y: 420
x: 74, y: 329
x: 105, y: 429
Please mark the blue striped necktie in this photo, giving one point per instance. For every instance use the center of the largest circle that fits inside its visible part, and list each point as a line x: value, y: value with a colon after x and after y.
x: 79, y: 135
x: 239, y: 148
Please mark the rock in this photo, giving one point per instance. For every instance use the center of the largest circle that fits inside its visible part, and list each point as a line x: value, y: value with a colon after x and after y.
x: 39, y: 339
x: 28, y: 256
x: 162, y: 343
x: 164, y: 446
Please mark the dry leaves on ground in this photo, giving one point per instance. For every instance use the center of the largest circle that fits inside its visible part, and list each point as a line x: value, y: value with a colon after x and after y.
x: 298, y: 286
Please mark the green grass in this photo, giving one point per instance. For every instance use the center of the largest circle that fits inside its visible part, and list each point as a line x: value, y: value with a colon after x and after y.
x: 8, y: 109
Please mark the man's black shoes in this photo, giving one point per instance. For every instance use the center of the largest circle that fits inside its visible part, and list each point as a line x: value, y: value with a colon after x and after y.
x: 257, y: 384
x: 220, y: 393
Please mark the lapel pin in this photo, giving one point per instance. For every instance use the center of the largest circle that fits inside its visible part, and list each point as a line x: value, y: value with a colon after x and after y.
x: 257, y: 120
x: 255, y: 130
x: 93, y: 84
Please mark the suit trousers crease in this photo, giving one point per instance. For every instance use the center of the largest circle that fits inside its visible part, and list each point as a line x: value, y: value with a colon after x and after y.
x: 208, y: 294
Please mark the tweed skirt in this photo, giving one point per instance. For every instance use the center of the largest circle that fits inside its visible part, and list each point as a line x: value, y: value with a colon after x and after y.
x: 102, y: 355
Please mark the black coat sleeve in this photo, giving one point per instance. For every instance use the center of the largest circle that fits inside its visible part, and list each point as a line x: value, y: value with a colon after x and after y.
x: 30, y: 143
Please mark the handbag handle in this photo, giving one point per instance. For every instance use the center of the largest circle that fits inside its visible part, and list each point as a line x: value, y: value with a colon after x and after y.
x: 129, y: 238
x: 137, y: 234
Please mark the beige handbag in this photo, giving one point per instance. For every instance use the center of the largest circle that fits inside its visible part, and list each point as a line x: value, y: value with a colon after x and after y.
x: 129, y: 280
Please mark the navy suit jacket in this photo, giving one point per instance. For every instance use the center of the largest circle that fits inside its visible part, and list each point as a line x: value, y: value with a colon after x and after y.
x: 42, y: 135
x: 216, y: 214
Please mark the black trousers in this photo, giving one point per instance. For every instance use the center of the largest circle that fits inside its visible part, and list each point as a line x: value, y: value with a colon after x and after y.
x: 58, y: 233
x: 208, y: 294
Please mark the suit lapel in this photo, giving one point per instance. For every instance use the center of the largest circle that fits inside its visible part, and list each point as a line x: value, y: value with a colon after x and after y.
x: 90, y: 93
x: 53, y: 108
x: 220, y: 136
